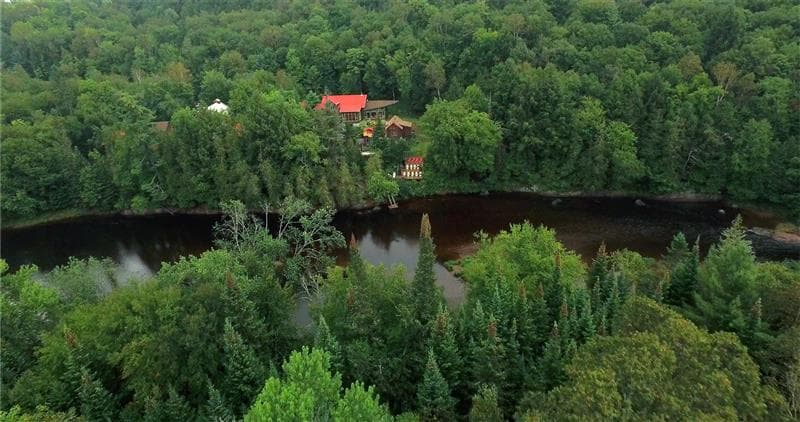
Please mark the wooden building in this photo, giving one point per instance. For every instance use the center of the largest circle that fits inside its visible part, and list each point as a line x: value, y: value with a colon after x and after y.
x: 398, y: 128
x: 356, y: 107
x: 412, y: 168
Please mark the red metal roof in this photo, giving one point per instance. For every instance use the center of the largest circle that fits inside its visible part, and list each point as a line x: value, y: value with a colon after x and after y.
x: 352, y: 103
x: 415, y: 160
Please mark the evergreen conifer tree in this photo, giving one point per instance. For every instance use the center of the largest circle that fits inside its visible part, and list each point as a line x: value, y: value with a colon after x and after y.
x: 484, y: 406
x: 433, y: 394
x: 356, y: 266
x: 215, y: 409
x: 551, y: 365
x: 677, y: 250
x: 425, y: 294
x: 244, y: 373
x: 324, y: 340
x: 683, y: 278
x: 176, y: 408
x: 97, y: 404
x: 490, y: 361
x: 600, y: 267
x: 444, y: 345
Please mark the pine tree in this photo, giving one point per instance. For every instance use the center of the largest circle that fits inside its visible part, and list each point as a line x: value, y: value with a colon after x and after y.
x: 490, y: 361
x: 176, y: 408
x: 425, y: 294
x: 244, y: 374
x: 683, y: 278
x: 215, y: 408
x: 484, y: 406
x: 97, y: 404
x: 433, y: 394
x: 72, y: 376
x: 356, y: 267
x: 677, y: 250
x: 443, y: 343
x: 600, y: 267
x: 551, y: 365
x: 514, y: 371
x: 554, y: 291
x: 324, y: 340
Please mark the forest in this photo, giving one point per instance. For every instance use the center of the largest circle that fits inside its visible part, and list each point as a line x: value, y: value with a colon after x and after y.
x: 635, y: 96
x: 540, y: 336
x: 653, y: 97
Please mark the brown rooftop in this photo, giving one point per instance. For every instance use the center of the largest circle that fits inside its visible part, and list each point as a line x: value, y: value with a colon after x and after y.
x: 375, y: 104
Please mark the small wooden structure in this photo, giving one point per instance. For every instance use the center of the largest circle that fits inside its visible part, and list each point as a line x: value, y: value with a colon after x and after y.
x: 412, y: 168
x: 398, y: 128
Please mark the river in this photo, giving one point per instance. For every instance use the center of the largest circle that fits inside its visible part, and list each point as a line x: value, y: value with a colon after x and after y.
x: 139, y: 244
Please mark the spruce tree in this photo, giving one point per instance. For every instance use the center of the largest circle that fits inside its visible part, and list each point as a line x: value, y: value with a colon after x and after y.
x: 356, y: 267
x: 324, y: 340
x: 433, y: 394
x: 683, y: 278
x: 443, y: 343
x: 600, y: 267
x: 551, y: 365
x: 215, y: 408
x: 425, y: 294
x: 677, y: 250
x: 490, y: 361
x: 484, y: 406
x: 244, y: 373
x: 176, y: 408
x: 97, y: 404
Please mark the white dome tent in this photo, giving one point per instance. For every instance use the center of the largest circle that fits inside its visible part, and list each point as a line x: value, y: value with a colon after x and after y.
x: 218, y: 106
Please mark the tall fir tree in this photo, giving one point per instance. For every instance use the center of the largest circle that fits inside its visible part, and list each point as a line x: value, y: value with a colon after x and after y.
x: 444, y: 345
x: 683, y: 278
x: 425, y: 294
x: 490, y: 359
x: 484, y: 406
x: 97, y: 404
x: 677, y: 250
x: 244, y: 373
x: 176, y: 408
x: 356, y: 267
x: 599, y: 270
x: 433, y: 394
x: 215, y: 409
x: 324, y: 340
x: 551, y: 365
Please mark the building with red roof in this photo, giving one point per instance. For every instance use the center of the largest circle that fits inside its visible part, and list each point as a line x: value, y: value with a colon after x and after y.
x: 355, y: 107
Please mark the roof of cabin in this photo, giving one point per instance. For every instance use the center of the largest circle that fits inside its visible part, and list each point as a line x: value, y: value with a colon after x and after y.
x: 415, y: 160
x: 397, y: 121
x: 352, y: 103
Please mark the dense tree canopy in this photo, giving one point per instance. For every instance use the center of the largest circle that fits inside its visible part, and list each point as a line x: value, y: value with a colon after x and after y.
x: 656, y: 97
x: 104, y: 109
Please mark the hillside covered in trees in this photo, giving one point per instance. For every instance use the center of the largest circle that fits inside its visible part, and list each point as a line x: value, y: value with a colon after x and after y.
x: 568, y: 95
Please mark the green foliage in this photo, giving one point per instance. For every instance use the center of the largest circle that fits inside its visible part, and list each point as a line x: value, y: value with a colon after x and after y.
x: 463, y: 142
x: 659, y: 365
x: 310, y: 392
x: 433, y: 394
x: 426, y: 295
x: 727, y: 287
x: 484, y: 406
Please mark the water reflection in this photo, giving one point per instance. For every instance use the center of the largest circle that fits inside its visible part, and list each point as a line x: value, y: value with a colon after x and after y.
x: 141, y: 244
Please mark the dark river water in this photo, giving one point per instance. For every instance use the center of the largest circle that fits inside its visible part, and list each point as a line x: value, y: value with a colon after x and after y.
x: 140, y: 244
